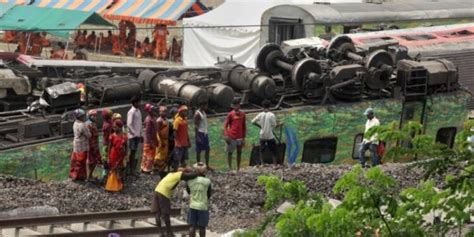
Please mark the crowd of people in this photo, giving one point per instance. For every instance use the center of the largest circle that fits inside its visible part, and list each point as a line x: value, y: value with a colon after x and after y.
x: 155, y: 135
x: 165, y: 145
x: 28, y: 42
x: 164, y: 139
x: 165, y: 142
x: 126, y: 43
x: 123, y: 44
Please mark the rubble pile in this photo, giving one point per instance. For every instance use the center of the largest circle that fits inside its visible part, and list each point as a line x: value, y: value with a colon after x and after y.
x: 236, y: 200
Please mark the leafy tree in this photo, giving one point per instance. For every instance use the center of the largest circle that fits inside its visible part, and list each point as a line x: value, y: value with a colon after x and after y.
x: 372, y: 203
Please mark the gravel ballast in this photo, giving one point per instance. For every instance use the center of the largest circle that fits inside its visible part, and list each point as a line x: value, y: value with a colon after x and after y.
x: 236, y: 202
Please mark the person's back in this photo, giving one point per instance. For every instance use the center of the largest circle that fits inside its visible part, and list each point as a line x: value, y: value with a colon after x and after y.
x: 200, y: 192
x: 81, y: 136
x: 167, y: 184
x: 267, y: 122
x: 199, y: 188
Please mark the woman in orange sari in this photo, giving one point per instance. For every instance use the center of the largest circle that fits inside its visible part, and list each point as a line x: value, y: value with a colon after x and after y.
x: 149, y: 140
x: 10, y: 36
x: 117, y: 152
x: 162, y: 128
x: 22, y: 43
x: 37, y: 44
x: 148, y: 47
x: 116, y: 46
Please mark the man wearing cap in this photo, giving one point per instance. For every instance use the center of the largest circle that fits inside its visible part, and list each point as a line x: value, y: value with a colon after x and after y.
x: 134, y: 132
x: 200, y: 192
x: 372, y: 142
x: 80, y: 146
x: 181, y: 137
x: 234, y: 133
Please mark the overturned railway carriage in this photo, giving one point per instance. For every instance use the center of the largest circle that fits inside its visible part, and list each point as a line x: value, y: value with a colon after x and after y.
x: 319, y: 93
x: 454, y: 43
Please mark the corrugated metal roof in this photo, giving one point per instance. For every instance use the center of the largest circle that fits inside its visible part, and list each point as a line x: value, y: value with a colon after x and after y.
x: 389, y: 11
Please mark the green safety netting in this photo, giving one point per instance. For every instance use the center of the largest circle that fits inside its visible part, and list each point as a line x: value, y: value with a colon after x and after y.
x: 58, y: 22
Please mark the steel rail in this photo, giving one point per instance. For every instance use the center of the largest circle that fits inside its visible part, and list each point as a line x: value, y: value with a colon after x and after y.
x: 122, y: 231
x: 80, y: 218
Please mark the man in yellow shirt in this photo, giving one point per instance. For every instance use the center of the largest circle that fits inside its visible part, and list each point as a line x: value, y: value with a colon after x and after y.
x: 161, y: 204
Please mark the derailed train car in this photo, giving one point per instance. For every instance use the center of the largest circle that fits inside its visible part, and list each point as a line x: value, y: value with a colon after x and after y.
x: 454, y: 43
x: 318, y: 92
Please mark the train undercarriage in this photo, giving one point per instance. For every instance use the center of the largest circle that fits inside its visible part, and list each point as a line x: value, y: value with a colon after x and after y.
x: 37, y: 96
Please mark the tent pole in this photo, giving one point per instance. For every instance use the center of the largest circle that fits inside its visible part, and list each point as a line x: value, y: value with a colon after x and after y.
x: 170, y: 51
x: 27, y: 43
x: 67, y: 46
x: 135, y: 49
x: 95, y: 45
x: 100, y: 44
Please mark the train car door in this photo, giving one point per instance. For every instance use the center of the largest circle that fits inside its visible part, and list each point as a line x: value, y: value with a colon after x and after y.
x: 282, y: 29
x: 413, y: 111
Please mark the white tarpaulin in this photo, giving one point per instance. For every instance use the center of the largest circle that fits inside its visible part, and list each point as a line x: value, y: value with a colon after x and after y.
x: 239, y: 35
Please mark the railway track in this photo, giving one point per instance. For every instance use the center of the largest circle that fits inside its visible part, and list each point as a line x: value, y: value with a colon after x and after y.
x: 121, y: 223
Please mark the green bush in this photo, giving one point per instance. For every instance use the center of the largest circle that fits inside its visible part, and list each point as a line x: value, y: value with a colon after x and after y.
x: 372, y: 202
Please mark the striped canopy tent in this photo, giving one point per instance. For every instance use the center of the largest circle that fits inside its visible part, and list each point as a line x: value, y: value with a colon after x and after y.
x: 195, y: 10
x: 149, y: 11
x: 80, y: 5
x: 16, y: 2
x: 58, y: 22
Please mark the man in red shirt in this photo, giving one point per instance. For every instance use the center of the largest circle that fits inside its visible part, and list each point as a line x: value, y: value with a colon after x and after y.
x: 181, y: 138
x: 234, y: 133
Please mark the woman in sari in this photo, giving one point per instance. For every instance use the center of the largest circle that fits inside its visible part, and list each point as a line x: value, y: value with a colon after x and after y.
x: 149, y: 140
x: 80, y: 147
x: 162, y: 128
x: 94, y: 158
x: 117, y: 152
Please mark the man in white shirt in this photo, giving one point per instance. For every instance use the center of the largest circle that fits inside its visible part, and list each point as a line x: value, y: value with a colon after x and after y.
x: 201, y: 134
x: 134, y: 131
x: 371, y: 143
x: 266, y: 120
